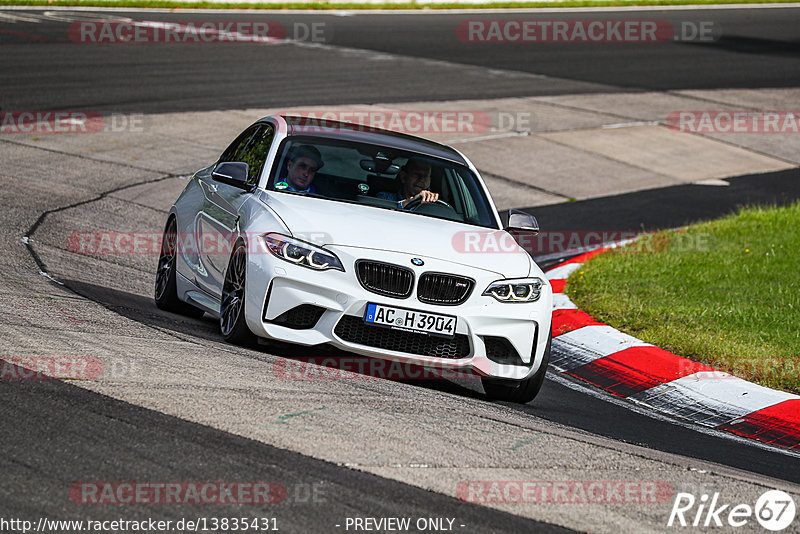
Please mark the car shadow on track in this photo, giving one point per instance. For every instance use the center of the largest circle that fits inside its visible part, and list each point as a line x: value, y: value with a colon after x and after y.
x: 317, y: 362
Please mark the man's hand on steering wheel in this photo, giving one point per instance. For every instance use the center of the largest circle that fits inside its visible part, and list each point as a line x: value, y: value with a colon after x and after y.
x: 423, y: 197
x: 415, y: 204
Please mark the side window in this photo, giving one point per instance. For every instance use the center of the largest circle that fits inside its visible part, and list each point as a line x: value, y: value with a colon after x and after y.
x: 255, y: 153
x: 464, y: 201
x: 476, y: 204
x: 238, y: 145
x: 458, y: 198
x: 469, y: 203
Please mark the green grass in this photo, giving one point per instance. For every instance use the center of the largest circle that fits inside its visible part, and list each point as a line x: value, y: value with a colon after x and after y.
x: 171, y: 4
x: 725, y: 293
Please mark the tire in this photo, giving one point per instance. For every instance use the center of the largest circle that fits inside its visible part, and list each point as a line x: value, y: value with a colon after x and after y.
x: 166, y: 290
x: 519, y: 391
x: 232, y: 322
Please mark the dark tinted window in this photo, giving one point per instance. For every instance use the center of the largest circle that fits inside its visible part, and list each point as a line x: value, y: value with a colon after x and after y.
x: 238, y: 145
x: 255, y: 153
x: 251, y: 147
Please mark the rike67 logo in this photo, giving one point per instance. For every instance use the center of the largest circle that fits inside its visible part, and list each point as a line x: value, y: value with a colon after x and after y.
x: 774, y: 510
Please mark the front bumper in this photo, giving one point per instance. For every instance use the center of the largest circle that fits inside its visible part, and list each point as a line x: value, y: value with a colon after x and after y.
x: 275, y: 287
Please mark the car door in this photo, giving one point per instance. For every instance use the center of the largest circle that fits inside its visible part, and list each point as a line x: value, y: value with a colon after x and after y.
x: 217, y: 223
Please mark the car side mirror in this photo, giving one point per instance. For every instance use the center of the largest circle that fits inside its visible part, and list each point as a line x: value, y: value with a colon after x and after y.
x: 521, y: 221
x: 232, y: 173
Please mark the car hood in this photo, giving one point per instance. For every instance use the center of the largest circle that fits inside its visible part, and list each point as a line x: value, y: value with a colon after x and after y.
x: 327, y: 222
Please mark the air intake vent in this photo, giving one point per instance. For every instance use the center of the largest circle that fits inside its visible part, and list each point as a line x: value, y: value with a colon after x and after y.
x: 355, y: 330
x: 385, y: 278
x: 300, y: 317
x: 500, y: 350
x: 444, y: 289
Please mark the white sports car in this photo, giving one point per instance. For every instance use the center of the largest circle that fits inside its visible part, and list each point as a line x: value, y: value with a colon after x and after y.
x: 379, y: 243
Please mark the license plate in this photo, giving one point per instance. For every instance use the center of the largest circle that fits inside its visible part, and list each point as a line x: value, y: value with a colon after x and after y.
x: 410, y: 320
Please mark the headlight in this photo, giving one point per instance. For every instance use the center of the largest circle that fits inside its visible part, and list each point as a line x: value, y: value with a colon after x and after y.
x: 517, y: 290
x: 301, y: 253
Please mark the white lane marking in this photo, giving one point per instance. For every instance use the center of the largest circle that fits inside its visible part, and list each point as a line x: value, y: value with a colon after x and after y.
x: 63, y: 16
x: 711, y: 398
x: 712, y: 182
x: 13, y: 19
x: 487, y: 137
x: 629, y: 124
x: 49, y: 277
x: 631, y: 404
x: 370, y: 54
x: 199, y: 30
x: 58, y: 16
x: 562, y: 272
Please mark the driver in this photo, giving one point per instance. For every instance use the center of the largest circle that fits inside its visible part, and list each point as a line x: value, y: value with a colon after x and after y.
x: 304, y: 162
x: 414, y: 179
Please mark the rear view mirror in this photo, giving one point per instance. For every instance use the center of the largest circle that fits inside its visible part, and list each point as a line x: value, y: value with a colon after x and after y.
x: 233, y: 173
x: 380, y: 164
x: 521, y: 221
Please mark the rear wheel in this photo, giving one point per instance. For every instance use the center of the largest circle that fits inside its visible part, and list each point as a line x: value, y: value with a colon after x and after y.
x: 520, y: 391
x: 232, y: 323
x: 166, y: 290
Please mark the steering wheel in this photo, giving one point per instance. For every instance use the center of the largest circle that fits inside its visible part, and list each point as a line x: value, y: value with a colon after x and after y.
x: 414, y: 204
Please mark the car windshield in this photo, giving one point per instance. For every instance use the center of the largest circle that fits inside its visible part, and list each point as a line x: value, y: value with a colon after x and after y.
x: 380, y: 177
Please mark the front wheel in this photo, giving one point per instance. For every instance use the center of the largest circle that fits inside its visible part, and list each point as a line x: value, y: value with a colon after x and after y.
x: 166, y: 290
x: 232, y: 323
x: 523, y: 391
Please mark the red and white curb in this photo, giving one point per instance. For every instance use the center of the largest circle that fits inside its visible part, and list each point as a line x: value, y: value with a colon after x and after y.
x: 627, y: 367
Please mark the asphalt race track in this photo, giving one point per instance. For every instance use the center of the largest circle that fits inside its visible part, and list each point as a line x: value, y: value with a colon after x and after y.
x: 177, y: 404
x: 757, y: 49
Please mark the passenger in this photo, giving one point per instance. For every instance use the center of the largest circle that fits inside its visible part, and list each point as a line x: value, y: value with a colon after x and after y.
x: 304, y: 162
x: 414, y: 179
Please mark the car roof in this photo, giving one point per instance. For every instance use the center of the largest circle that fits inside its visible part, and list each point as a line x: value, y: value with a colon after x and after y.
x: 329, y: 129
